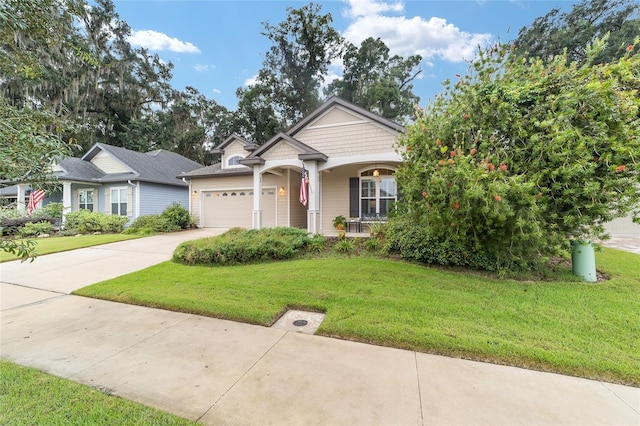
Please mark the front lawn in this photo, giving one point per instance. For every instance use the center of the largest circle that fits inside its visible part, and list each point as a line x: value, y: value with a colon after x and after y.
x: 31, y: 397
x: 59, y: 244
x: 564, y: 326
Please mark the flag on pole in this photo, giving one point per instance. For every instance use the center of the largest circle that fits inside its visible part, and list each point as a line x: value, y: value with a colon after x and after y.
x: 34, y: 198
x: 303, y: 186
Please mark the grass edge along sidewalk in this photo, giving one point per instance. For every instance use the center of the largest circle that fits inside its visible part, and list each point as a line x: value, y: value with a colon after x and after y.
x: 31, y: 397
x: 563, y: 326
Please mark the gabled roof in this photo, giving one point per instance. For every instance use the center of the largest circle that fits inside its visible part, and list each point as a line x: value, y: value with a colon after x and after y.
x: 78, y: 169
x: 157, y: 166
x: 217, y: 170
x: 307, y: 153
x: 248, y: 146
x: 335, y: 101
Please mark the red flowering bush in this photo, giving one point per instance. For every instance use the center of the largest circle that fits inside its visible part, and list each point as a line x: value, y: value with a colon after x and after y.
x: 544, y: 153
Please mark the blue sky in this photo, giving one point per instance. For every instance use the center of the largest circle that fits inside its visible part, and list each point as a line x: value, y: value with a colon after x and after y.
x: 217, y: 46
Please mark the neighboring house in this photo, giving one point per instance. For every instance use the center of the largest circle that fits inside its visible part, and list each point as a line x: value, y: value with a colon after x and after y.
x: 349, y: 155
x: 118, y: 181
x: 9, y: 196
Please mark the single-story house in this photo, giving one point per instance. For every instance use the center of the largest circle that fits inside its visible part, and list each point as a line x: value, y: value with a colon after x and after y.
x: 350, y: 158
x: 347, y: 153
x: 119, y: 181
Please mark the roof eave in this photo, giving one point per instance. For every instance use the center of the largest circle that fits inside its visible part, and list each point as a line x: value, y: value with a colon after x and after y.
x: 313, y: 156
x: 252, y: 161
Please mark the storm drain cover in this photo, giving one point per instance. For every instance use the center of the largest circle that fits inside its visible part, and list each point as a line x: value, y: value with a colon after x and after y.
x: 300, y: 321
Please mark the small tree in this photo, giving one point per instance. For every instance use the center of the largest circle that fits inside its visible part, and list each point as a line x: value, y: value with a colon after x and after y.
x: 519, y: 157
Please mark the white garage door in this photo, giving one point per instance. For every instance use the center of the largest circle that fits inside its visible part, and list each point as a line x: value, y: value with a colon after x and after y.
x: 229, y: 209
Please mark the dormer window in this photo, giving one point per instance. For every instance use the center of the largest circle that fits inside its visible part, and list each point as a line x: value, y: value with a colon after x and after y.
x: 234, y: 161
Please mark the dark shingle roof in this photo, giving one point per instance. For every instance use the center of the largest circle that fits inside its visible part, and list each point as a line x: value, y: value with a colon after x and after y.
x: 158, y: 166
x: 78, y: 169
x: 217, y: 170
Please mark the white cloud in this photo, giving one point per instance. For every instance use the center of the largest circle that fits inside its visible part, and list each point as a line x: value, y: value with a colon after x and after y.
x: 217, y: 91
x: 432, y: 38
x: 359, y: 8
x: 204, y: 67
x: 154, y: 40
x: 251, y: 81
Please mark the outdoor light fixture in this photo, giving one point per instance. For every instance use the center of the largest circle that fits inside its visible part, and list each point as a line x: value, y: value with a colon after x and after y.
x: 281, y: 190
x: 376, y: 173
x: 194, y: 193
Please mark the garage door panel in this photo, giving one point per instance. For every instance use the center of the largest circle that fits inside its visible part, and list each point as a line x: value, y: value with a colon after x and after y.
x: 229, y: 209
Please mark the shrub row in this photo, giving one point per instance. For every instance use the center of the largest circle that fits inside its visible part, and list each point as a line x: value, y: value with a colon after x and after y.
x: 14, y: 225
x: 173, y: 218
x: 32, y: 229
x: 151, y: 224
x: 244, y: 246
x: 416, y: 243
x: 85, y: 222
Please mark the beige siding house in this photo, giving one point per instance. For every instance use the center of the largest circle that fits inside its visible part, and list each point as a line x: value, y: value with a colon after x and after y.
x: 348, y: 154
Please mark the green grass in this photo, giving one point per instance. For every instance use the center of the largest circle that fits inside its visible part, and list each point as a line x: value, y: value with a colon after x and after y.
x: 59, y: 244
x: 564, y: 326
x: 30, y: 397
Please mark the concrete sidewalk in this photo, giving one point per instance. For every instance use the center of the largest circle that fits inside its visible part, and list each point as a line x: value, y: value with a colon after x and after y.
x: 221, y: 372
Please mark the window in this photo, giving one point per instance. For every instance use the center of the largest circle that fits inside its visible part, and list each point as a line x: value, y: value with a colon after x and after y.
x: 234, y: 161
x: 377, y: 193
x: 119, y: 201
x: 85, y: 199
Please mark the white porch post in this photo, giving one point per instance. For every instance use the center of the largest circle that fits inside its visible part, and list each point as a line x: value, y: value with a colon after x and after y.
x: 257, y: 198
x: 22, y: 192
x: 66, y: 200
x: 313, y: 212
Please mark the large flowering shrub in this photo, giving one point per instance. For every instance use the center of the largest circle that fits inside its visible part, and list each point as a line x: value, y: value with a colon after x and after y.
x: 520, y: 156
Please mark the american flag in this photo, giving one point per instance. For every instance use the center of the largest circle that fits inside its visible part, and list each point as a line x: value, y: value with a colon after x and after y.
x: 34, y: 198
x: 303, y: 186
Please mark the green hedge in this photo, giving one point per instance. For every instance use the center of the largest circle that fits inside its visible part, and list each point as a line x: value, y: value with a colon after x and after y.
x: 151, y: 224
x: 34, y: 229
x: 244, y: 246
x: 86, y: 222
x: 417, y: 243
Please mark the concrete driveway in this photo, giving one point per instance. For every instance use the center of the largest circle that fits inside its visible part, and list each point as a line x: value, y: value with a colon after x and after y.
x: 61, y: 273
x: 222, y: 372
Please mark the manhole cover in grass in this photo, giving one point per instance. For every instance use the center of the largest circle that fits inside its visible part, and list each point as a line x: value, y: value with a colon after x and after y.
x: 299, y: 321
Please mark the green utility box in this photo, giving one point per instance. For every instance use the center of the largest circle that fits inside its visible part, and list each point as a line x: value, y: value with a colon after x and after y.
x: 583, y: 261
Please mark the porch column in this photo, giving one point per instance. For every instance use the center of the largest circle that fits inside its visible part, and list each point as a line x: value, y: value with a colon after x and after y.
x: 66, y: 200
x: 313, y: 212
x: 22, y: 193
x: 257, y: 198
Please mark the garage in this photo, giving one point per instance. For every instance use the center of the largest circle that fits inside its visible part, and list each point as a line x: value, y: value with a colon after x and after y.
x: 234, y: 208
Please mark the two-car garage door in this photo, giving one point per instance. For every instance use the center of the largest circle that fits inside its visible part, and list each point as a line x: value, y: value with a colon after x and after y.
x: 229, y: 209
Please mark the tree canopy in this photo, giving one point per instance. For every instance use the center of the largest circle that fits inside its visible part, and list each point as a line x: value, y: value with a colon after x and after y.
x: 304, y: 44
x: 551, y: 34
x: 377, y: 81
x: 71, y: 61
x: 30, y: 137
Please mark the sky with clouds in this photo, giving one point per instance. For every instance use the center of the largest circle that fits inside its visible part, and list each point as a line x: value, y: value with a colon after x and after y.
x: 216, y: 46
